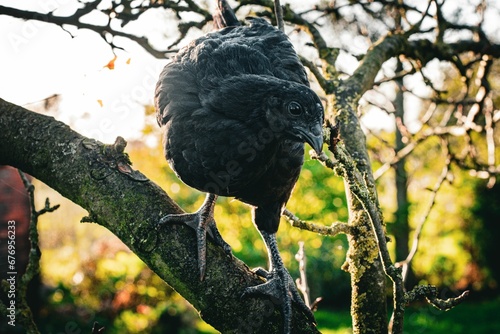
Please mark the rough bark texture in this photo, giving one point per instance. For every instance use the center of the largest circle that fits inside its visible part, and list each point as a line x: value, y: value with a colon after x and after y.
x: 368, y: 300
x: 368, y: 279
x: 95, y: 177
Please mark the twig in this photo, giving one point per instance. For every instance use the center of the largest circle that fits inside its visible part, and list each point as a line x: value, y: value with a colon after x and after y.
x: 431, y: 295
x: 302, y: 281
x: 74, y: 20
x: 439, y: 131
x: 322, y: 81
x: 97, y: 328
x: 418, y: 230
x: 490, y: 140
x: 33, y: 267
x: 279, y: 15
x: 358, y: 187
x: 332, y: 230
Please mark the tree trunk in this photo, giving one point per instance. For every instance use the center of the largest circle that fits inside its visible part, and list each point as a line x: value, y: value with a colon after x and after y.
x: 368, y: 279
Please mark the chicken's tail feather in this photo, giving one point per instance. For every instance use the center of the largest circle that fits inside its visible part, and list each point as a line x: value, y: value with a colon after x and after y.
x: 224, y: 16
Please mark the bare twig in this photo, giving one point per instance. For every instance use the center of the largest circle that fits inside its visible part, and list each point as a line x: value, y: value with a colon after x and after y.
x: 302, y: 281
x: 322, y: 81
x: 107, y: 32
x: 279, y: 15
x: 418, y: 230
x: 346, y: 168
x: 33, y: 268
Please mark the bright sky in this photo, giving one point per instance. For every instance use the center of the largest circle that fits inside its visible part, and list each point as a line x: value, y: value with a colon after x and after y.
x: 38, y: 60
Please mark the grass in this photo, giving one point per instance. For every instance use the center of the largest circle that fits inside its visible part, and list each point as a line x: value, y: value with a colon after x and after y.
x: 333, y: 322
x: 477, y: 318
x: 470, y: 317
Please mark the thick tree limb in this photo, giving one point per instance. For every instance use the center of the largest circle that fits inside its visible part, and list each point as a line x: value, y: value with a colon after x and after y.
x: 96, y: 177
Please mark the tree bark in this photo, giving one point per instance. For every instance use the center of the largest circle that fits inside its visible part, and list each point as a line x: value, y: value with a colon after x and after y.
x: 98, y: 178
x: 368, y: 278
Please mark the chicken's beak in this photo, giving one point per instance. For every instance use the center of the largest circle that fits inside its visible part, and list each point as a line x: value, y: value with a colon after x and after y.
x: 314, y: 137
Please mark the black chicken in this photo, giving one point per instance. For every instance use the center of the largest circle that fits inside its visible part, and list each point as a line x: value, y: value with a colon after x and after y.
x: 236, y: 108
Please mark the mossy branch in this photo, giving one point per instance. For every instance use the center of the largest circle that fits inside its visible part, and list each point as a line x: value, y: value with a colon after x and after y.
x: 430, y: 293
x: 345, y: 167
x: 332, y: 230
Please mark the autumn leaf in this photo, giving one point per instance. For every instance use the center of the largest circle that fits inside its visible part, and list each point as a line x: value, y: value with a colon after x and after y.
x: 100, y: 102
x: 111, y: 64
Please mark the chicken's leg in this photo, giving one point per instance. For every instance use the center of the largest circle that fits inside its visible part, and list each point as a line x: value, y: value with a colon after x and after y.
x: 279, y: 284
x: 202, y: 221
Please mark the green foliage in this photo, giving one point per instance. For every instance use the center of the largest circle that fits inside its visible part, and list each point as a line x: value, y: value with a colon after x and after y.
x: 477, y: 318
x: 485, y: 231
x: 480, y: 318
x: 120, y: 293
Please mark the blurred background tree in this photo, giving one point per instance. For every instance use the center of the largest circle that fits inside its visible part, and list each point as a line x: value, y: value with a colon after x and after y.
x: 430, y: 121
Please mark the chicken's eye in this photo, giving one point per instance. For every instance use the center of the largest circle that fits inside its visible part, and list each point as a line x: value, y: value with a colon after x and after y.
x: 294, y: 108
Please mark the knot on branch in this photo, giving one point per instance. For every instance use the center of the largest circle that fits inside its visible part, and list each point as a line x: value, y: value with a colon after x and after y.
x: 108, y: 158
x: 334, y: 136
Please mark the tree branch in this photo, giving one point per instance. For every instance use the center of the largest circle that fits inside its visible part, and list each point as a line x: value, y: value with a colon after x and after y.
x: 418, y: 230
x: 332, y: 230
x: 430, y: 293
x: 74, y: 20
x: 95, y: 177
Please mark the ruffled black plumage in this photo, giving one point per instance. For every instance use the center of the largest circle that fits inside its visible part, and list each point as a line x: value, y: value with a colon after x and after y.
x: 236, y: 109
x: 212, y: 99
